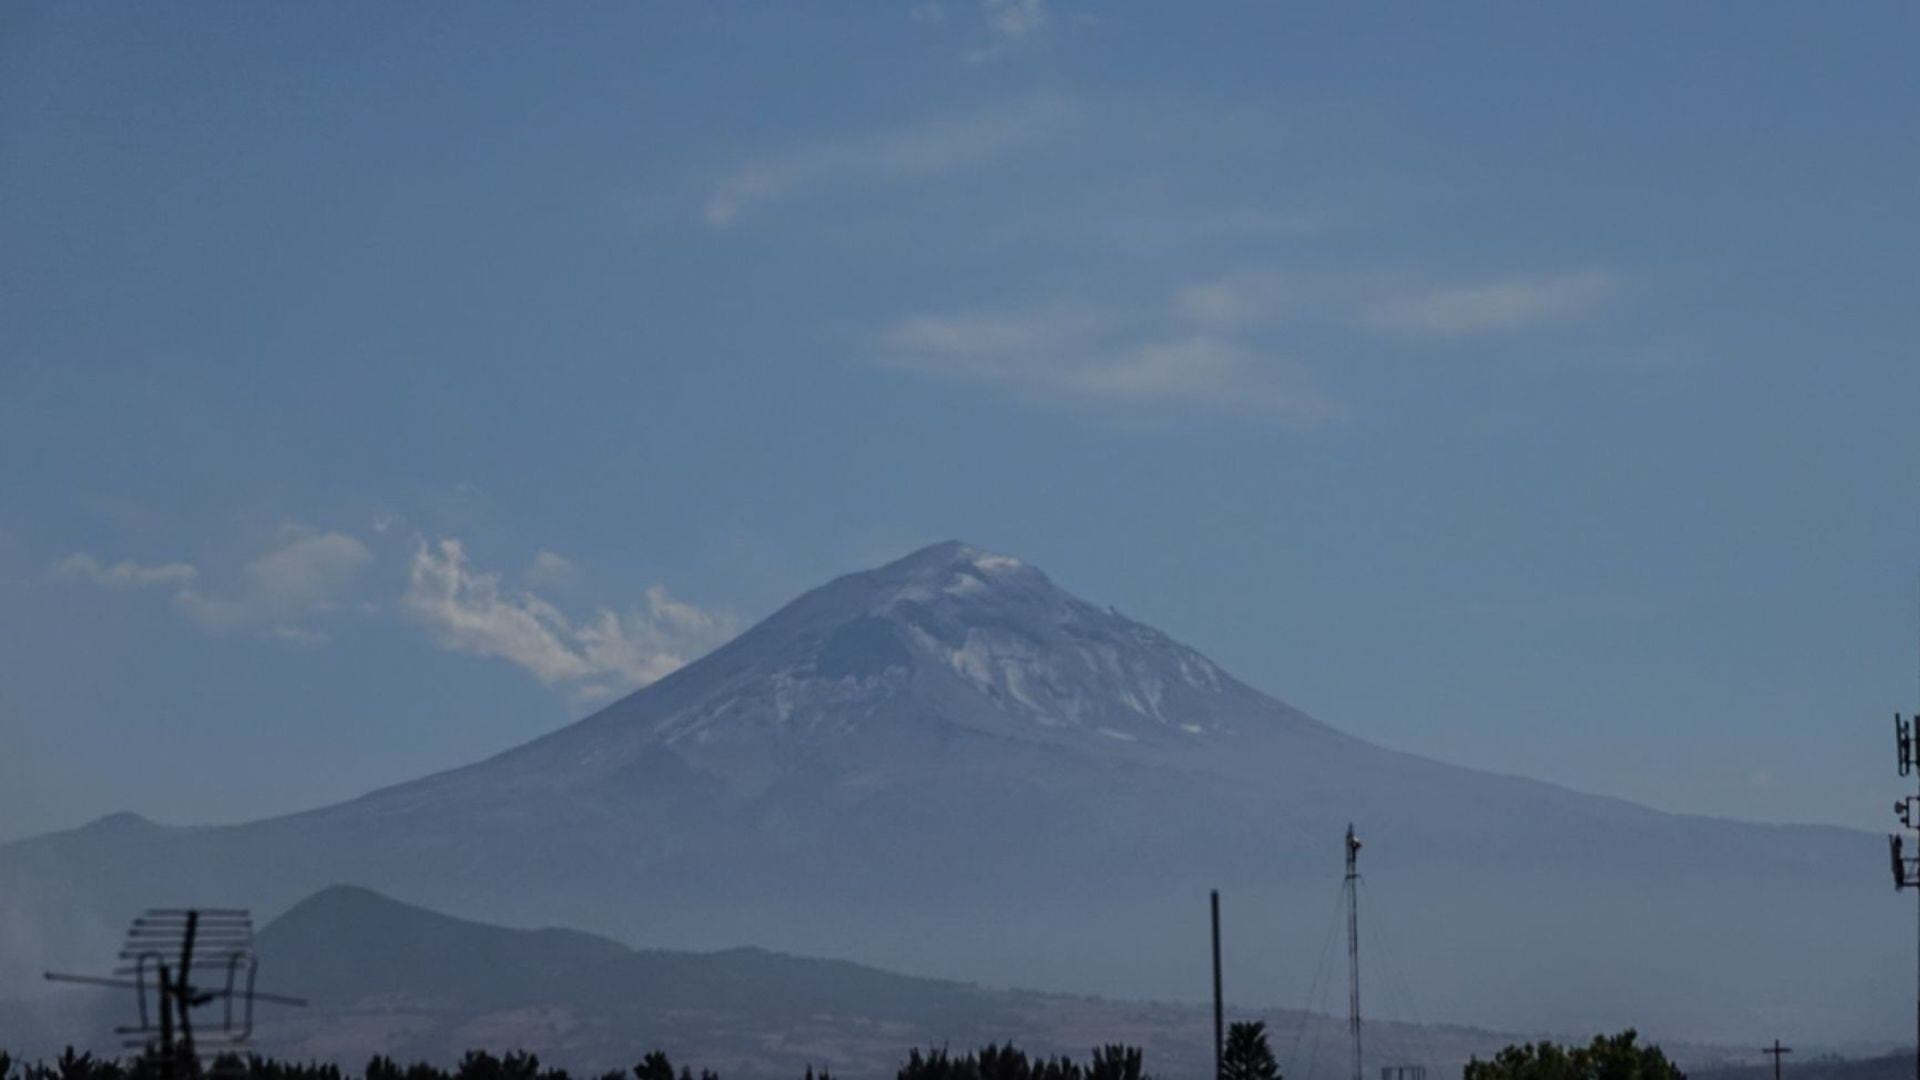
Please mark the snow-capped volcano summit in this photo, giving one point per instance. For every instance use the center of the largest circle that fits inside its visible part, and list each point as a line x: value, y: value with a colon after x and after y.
x: 949, y: 644
x: 1039, y: 654
x: 949, y: 765
x: 990, y: 638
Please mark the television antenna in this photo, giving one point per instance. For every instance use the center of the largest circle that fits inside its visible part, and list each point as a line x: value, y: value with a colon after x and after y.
x: 162, y: 948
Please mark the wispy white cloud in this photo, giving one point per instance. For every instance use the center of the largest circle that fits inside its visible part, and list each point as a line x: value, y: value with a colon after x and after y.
x: 551, y: 570
x: 1390, y: 305
x: 1496, y: 306
x: 277, y: 594
x: 469, y: 611
x: 298, y: 635
x: 927, y: 148
x: 80, y: 566
x: 283, y: 590
x: 1008, y: 23
x: 1091, y: 357
x: 1268, y: 298
x: 1224, y: 344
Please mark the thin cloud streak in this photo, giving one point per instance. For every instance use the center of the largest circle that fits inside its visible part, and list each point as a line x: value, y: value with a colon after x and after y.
x: 928, y: 148
x: 1090, y: 358
x: 1497, y: 306
x: 1381, y: 305
x: 125, y: 574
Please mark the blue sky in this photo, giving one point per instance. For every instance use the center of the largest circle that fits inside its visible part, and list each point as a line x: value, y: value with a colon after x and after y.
x: 383, y: 386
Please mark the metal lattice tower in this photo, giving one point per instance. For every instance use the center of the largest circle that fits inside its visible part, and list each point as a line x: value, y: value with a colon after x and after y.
x: 1906, y: 868
x: 1353, y: 947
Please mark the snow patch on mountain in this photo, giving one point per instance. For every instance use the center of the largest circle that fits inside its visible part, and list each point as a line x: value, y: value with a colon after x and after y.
x: 987, y: 562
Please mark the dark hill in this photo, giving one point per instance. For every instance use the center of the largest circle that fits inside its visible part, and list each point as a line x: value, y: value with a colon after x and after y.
x: 351, y: 948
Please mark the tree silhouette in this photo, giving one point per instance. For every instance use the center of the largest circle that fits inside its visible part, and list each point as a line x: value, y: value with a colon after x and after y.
x: 1247, y: 1055
x: 382, y: 1067
x: 1607, y: 1057
x: 1116, y: 1062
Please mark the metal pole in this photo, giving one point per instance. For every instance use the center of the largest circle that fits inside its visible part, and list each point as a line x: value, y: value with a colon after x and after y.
x: 1219, y: 1010
x: 166, y: 1024
x: 1353, y: 947
x: 183, y: 992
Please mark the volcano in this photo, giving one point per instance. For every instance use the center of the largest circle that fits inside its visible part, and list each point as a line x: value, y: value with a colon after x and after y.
x: 950, y: 766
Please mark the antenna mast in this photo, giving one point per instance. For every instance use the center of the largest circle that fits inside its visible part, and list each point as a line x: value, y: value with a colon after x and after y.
x: 1353, y: 947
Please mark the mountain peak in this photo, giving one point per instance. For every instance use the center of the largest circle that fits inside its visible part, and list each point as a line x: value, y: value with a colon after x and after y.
x: 956, y: 557
x: 951, y: 551
x: 952, y: 634
x: 946, y: 645
x: 950, y: 569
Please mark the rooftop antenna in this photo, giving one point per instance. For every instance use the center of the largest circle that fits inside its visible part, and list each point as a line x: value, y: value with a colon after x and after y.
x: 1353, y: 947
x: 159, y: 955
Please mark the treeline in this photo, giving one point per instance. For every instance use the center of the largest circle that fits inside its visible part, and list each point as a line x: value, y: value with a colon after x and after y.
x: 1607, y: 1057
x: 993, y: 1062
x: 475, y: 1065
x: 1246, y: 1057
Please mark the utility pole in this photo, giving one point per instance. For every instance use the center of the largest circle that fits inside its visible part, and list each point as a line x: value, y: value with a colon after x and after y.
x: 1774, y: 1052
x: 1219, y: 1009
x: 1353, y: 947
